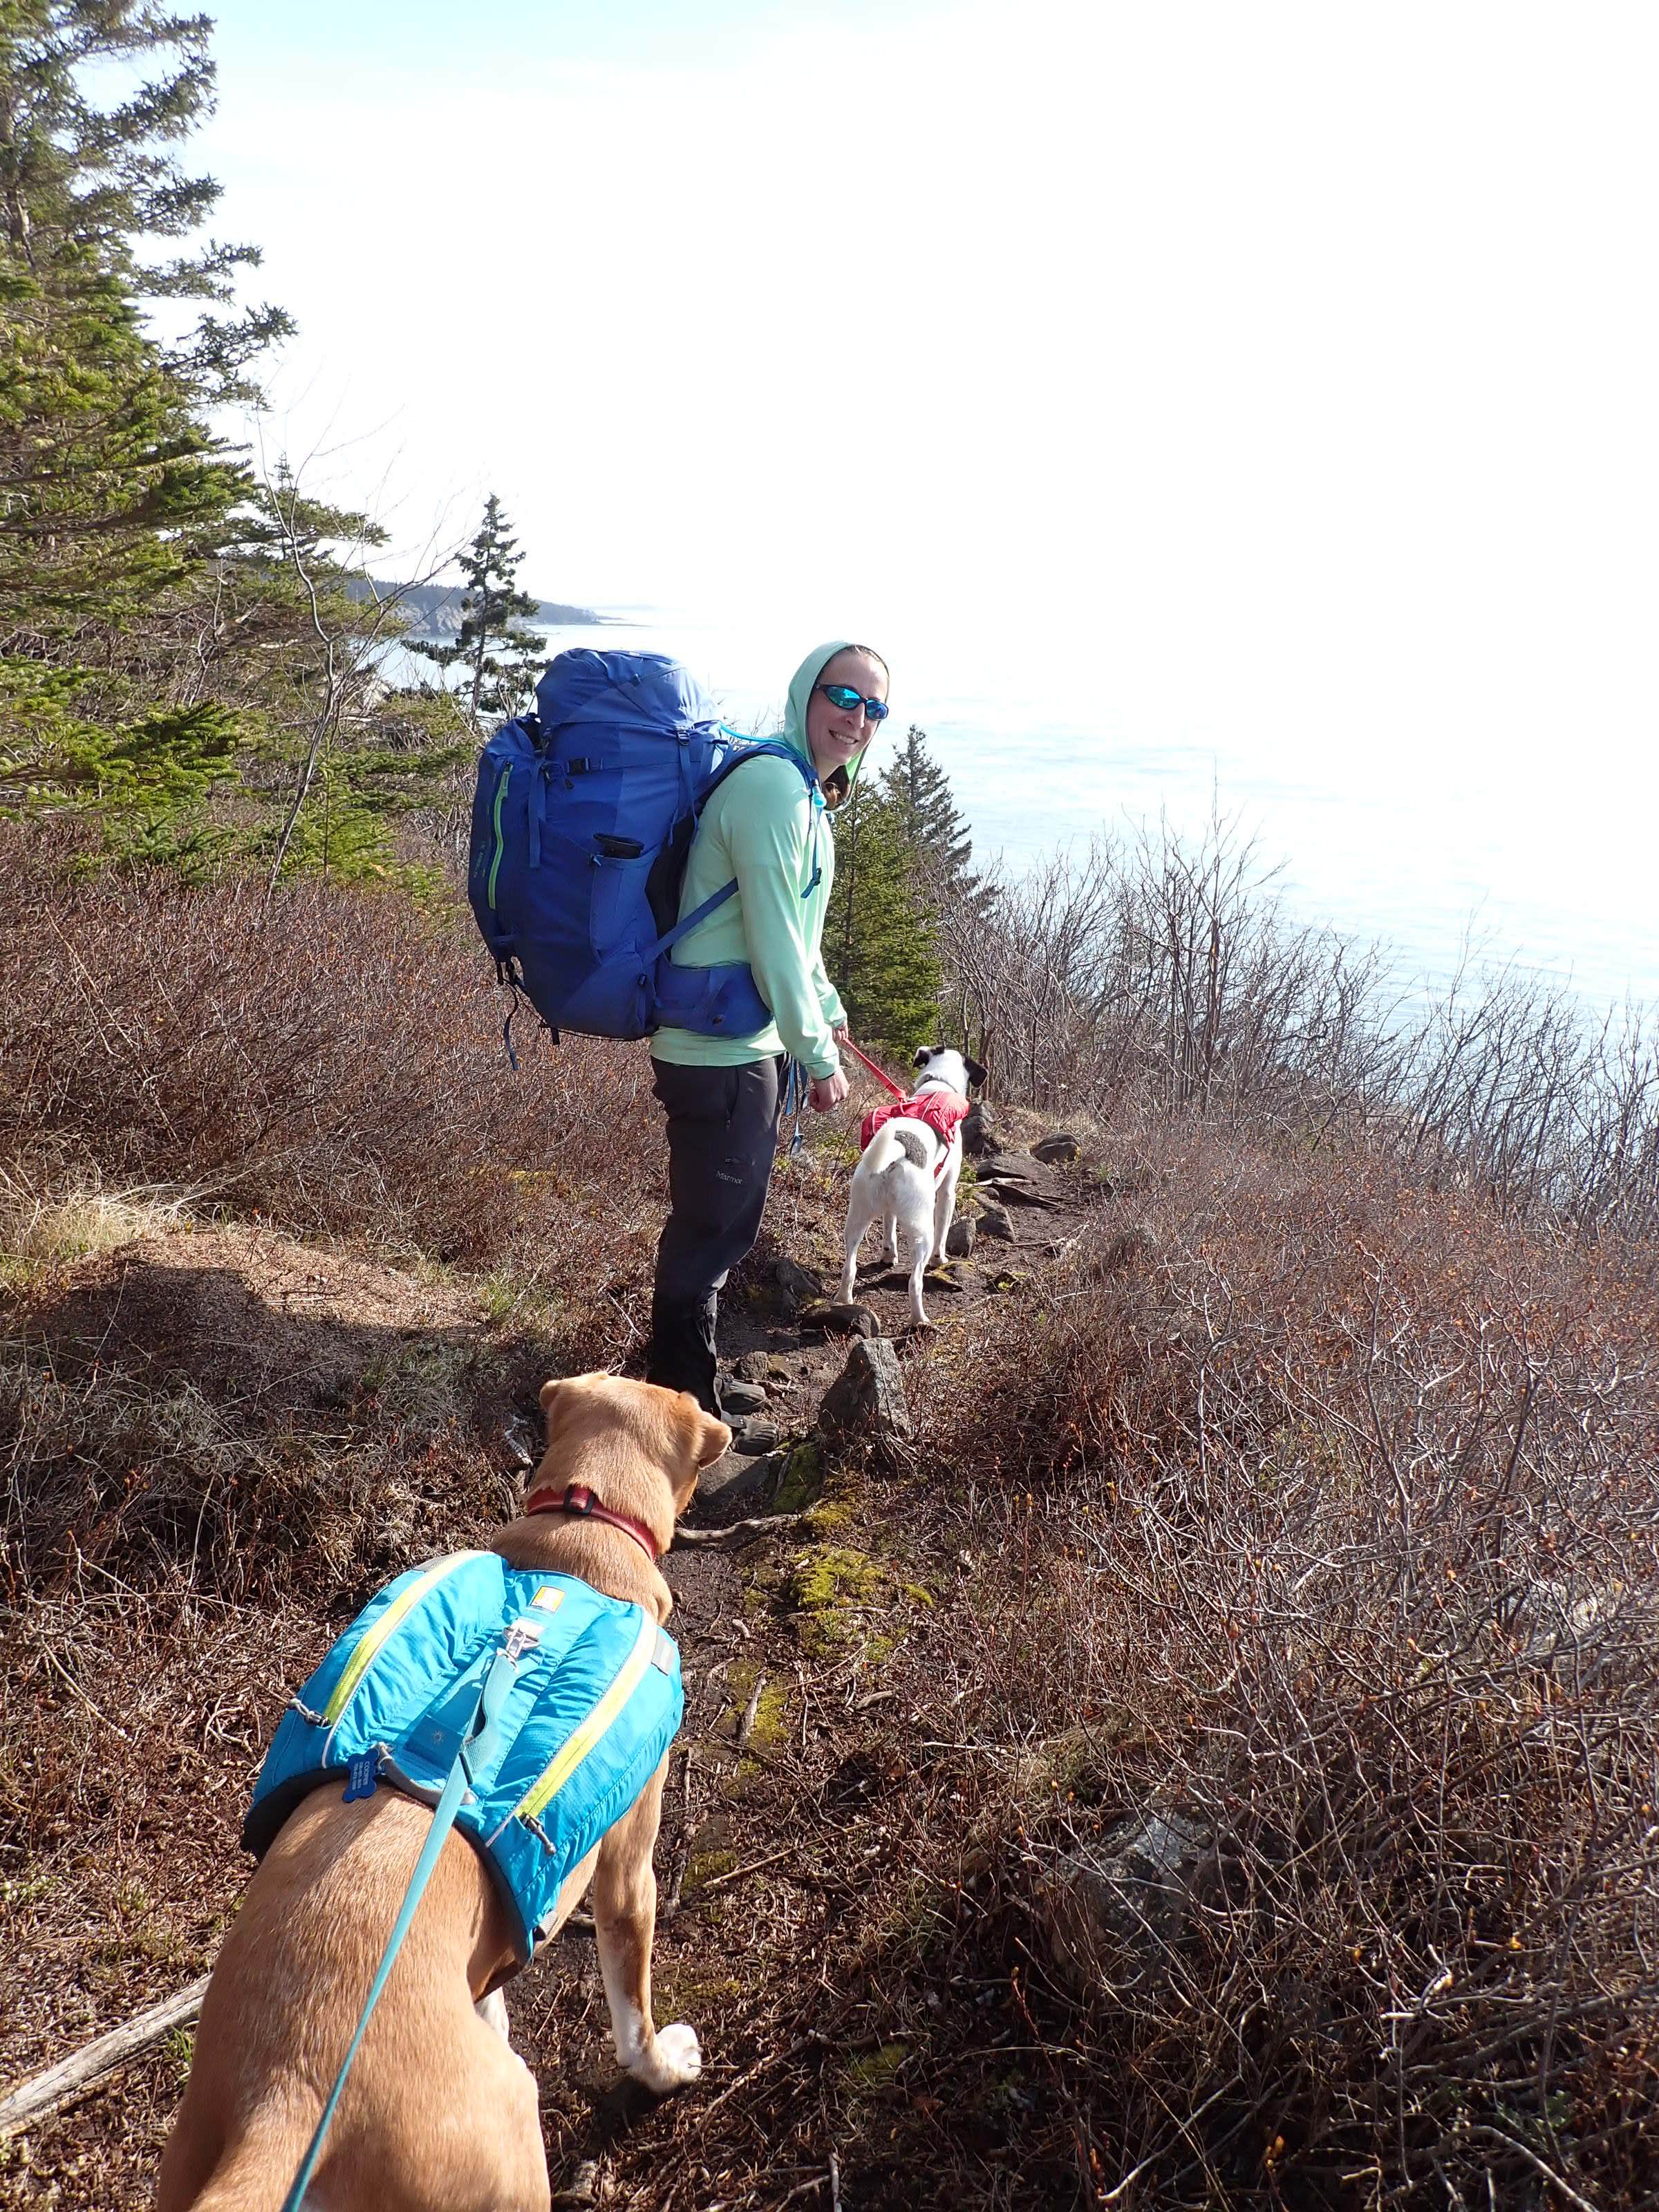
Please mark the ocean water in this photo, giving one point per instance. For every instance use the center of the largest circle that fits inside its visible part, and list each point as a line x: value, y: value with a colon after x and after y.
x: 1446, y: 862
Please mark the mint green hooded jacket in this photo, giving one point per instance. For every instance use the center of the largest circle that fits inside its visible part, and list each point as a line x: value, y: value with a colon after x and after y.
x: 763, y: 828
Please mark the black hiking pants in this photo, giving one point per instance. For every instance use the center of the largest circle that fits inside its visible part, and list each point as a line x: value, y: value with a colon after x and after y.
x: 722, y: 1139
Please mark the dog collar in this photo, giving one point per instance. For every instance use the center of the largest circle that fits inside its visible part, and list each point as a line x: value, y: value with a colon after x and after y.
x: 576, y: 1497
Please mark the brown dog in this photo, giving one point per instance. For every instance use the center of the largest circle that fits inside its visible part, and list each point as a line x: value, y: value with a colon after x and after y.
x: 438, y: 2113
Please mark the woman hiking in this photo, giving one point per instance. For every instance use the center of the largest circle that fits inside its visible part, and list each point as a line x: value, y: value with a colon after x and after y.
x: 763, y: 827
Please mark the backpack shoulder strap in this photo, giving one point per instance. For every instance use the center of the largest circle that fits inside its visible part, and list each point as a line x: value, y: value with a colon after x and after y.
x: 739, y: 759
x: 771, y: 747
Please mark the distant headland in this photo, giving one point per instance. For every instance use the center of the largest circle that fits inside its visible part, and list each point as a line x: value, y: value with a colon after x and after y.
x: 435, y: 609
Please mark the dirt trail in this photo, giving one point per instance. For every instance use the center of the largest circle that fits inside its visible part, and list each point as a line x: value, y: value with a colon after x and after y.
x: 790, y: 1935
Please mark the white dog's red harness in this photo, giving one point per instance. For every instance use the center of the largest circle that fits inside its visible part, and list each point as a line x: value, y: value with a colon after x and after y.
x: 944, y: 1112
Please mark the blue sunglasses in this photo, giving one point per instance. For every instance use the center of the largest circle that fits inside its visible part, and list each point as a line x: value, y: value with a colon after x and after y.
x: 845, y: 696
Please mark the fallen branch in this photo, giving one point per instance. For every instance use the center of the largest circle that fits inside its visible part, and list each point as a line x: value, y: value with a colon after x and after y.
x: 737, y: 1873
x: 761, y: 1527
x: 746, y: 1726
x: 47, y: 2091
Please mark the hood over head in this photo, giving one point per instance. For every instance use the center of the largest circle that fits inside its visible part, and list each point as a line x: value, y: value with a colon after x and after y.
x: 802, y: 684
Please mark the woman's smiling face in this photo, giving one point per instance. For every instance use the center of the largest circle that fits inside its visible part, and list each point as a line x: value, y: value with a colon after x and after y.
x: 836, y: 735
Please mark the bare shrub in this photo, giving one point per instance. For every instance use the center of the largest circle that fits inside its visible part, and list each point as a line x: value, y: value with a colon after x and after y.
x: 330, y: 1061
x: 332, y: 1058
x: 1341, y: 1551
x: 1152, y: 976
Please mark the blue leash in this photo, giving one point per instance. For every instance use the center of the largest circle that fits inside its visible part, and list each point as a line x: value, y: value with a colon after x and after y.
x: 477, y: 1739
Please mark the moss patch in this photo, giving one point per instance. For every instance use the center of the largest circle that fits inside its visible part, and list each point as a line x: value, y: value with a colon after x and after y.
x: 769, y: 1712
x: 703, y: 1867
x: 871, y: 2071
x: 830, y: 1514
x: 800, y: 1482
x: 682, y: 1992
x: 833, y: 1575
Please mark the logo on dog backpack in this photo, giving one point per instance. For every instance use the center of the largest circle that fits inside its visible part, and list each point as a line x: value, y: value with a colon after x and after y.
x: 581, y: 825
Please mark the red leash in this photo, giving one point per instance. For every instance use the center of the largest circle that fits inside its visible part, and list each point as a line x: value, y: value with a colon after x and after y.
x: 882, y: 1078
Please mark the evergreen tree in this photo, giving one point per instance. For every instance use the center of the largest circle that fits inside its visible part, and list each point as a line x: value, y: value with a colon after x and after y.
x: 493, y: 644
x: 877, y: 938
x: 79, y: 179
x: 181, y: 659
x: 112, y: 488
x: 919, y: 791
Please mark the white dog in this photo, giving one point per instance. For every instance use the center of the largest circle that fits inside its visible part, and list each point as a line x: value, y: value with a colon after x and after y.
x: 911, y: 1165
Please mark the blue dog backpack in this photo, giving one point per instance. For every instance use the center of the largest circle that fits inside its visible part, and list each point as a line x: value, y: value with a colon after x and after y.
x: 594, y: 1703
x: 581, y: 823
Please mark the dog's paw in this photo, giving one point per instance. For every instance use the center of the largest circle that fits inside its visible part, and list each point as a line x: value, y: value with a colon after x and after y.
x: 673, y: 2062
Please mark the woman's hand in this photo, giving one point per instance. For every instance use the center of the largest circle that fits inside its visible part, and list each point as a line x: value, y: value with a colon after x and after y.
x: 827, y: 1093
x: 842, y: 1036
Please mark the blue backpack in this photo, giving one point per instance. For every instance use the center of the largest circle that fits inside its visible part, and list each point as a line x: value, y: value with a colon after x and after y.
x: 581, y: 826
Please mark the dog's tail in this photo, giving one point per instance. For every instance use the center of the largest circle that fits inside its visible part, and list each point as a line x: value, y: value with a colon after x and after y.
x: 896, y: 1144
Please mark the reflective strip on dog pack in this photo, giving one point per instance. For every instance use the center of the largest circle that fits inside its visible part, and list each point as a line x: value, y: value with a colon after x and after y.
x: 594, y: 1701
x: 377, y: 1631
x: 581, y: 1740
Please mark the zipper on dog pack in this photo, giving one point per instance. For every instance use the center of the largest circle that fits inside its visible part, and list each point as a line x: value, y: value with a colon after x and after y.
x: 495, y: 864
x: 373, y: 1640
x: 582, y: 1738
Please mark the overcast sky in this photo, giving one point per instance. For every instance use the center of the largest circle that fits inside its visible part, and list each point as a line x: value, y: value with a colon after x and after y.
x: 1288, y: 373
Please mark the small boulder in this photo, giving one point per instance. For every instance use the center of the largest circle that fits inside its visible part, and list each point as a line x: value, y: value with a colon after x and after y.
x: 1113, y: 1910
x: 829, y: 1313
x: 1136, y: 1241
x: 737, y: 1477
x: 960, y: 1240
x: 994, y: 1221
x: 1056, y: 1148
x: 1005, y: 1167
x: 1552, y: 1622
x: 866, y: 1399
x: 754, y: 1366
x: 979, y: 1135
x: 796, y: 1282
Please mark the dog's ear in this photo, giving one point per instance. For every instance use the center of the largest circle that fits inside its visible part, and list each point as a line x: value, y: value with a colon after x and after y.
x: 976, y: 1074
x: 924, y: 1053
x: 549, y: 1391
x: 707, y: 1439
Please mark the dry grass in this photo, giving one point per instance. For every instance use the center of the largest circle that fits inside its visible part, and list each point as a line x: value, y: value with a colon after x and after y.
x: 43, y: 1229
